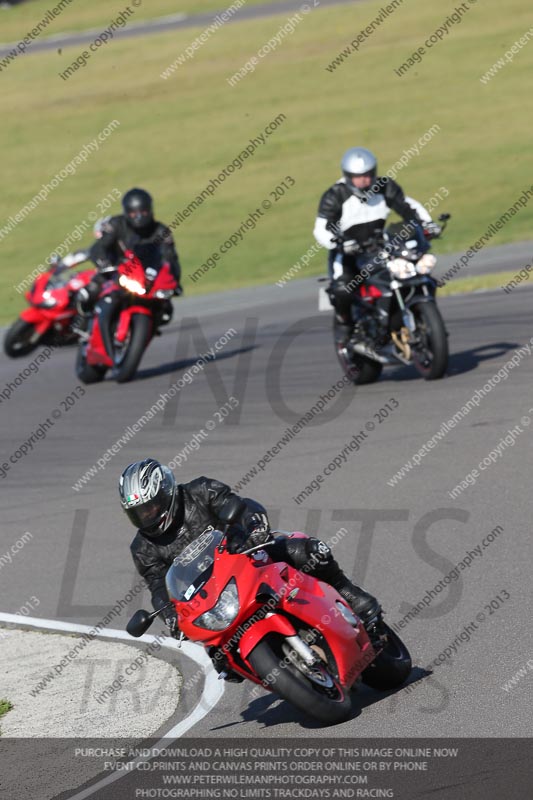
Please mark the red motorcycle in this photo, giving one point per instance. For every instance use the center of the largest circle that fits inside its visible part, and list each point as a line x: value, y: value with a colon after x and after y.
x: 278, y: 627
x: 52, y: 310
x: 129, y: 312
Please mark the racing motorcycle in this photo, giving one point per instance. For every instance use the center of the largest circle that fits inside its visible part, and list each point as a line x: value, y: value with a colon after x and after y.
x: 51, y: 317
x: 394, y: 310
x: 278, y: 627
x: 129, y: 312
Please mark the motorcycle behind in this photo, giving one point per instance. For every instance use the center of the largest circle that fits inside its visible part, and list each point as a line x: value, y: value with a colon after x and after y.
x: 129, y: 312
x: 52, y: 310
x: 278, y: 627
x: 394, y: 310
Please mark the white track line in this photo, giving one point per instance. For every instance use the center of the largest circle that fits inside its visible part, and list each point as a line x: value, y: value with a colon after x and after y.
x: 146, y: 23
x: 213, y: 688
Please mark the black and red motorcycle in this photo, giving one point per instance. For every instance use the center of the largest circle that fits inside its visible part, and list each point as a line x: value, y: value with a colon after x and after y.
x: 278, y: 627
x: 394, y: 310
x: 129, y: 312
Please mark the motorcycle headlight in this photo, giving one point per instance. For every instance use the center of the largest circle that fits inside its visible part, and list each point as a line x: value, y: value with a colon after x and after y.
x: 425, y: 264
x: 49, y: 300
x: 401, y: 268
x: 131, y: 285
x: 164, y: 294
x: 224, y: 612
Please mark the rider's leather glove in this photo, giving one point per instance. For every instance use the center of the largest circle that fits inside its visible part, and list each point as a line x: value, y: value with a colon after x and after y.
x: 178, y: 291
x: 258, y: 530
x: 171, y: 621
x: 237, y: 540
x: 350, y: 247
x: 433, y: 228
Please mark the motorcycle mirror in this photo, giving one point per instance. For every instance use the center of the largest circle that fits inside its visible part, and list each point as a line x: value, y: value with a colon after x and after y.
x: 140, y: 622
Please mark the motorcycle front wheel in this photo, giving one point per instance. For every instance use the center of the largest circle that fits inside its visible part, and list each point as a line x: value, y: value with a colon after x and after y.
x: 20, y: 339
x: 140, y: 333
x: 314, y: 691
x: 88, y: 373
x: 431, y: 356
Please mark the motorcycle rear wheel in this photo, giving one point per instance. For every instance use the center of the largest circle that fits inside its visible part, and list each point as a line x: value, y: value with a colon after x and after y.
x: 330, y: 706
x: 358, y: 369
x: 20, y: 339
x: 392, y: 666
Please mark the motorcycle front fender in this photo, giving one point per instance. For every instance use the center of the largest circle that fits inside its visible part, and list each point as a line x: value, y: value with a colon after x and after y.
x: 271, y: 624
x: 420, y: 297
x: 35, y: 317
x: 124, y: 321
x: 96, y: 352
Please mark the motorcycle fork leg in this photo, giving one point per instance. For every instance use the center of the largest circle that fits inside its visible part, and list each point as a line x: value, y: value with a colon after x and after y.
x: 407, y: 315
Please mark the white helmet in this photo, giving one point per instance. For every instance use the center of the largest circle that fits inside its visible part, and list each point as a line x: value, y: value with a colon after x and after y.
x: 359, y: 161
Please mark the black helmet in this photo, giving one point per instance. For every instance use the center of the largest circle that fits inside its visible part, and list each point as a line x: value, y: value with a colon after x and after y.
x: 148, y: 494
x: 138, y: 208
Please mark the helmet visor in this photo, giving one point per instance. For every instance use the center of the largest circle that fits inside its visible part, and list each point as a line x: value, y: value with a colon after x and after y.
x: 149, y: 514
x: 371, y: 173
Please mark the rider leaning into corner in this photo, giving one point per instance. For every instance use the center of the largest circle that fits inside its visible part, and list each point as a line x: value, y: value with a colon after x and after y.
x: 169, y: 516
x: 134, y: 228
x: 350, y: 222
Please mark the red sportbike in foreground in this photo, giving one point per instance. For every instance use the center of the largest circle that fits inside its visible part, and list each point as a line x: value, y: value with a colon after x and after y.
x: 51, y: 313
x: 278, y: 627
x: 128, y: 314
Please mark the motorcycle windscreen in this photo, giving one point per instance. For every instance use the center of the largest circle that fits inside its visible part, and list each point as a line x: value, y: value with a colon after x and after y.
x: 193, y: 566
x: 149, y: 254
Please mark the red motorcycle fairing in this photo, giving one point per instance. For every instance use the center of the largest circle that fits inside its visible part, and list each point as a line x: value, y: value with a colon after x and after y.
x: 60, y: 314
x: 44, y: 317
x: 316, y: 605
x: 297, y: 595
x: 370, y: 292
x: 96, y: 353
x: 40, y: 319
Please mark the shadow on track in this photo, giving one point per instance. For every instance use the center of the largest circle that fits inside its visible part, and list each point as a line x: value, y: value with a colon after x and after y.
x: 270, y: 710
x: 459, y: 363
x: 175, y: 366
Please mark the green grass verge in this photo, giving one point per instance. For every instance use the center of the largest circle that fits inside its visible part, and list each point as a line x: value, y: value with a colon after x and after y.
x: 176, y: 134
x: 5, y: 706
x: 492, y: 280
x: 98, y: 14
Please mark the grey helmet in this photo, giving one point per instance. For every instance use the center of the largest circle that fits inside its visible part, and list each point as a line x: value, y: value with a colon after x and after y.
x: 149, y: 496
x: 359, y: 161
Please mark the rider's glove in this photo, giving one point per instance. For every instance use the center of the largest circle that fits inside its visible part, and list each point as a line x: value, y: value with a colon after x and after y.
x: 178, y: 291
x: 171, y: 621
x: 258, y: 530
x: 237, y: 540
x: 104, y: 265
x: 433, y: 229
x: 350, y: 247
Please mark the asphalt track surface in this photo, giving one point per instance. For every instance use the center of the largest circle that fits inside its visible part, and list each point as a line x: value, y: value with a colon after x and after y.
x: 78, y: 564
